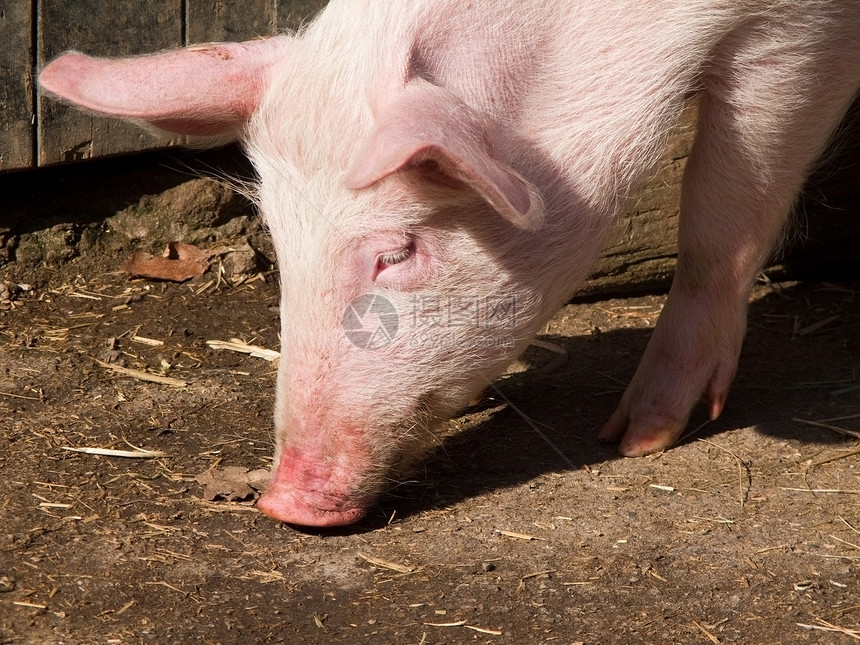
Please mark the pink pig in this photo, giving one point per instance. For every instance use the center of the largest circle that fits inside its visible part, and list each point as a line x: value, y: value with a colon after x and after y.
x: 450, y: 169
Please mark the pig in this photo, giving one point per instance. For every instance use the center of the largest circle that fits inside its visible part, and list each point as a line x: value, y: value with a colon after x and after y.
x: 438, y: 177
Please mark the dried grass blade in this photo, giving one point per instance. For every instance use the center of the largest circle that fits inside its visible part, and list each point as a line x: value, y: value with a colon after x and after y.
x: 236, y: 345
x: 128, y: 454
x: 386, y: 564
x: 144, y: 376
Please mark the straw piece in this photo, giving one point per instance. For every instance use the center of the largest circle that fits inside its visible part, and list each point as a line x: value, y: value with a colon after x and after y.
x: 144, y: 376
x: 129, y: 454
x: 236, y: 345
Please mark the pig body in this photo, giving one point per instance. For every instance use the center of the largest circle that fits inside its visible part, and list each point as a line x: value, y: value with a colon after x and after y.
x: 449, y: 171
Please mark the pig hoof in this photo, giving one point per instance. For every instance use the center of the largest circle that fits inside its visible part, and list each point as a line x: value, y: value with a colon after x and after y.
x: 639, y: 445
x: 639, y: 438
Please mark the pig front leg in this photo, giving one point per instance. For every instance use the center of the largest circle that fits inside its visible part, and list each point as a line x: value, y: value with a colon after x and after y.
x: 728, y: 227
x: 761, y: 125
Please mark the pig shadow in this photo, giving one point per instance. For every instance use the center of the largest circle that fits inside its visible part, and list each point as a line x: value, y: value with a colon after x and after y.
x: 84, y: 194
x: 788, y: 370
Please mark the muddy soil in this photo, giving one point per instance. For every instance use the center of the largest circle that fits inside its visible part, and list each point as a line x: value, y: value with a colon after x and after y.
x: 522, y: 528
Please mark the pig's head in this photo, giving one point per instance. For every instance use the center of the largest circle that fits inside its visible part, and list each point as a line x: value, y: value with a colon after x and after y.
x: 411, y: 270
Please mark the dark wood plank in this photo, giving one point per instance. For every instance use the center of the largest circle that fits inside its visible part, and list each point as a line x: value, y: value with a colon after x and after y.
x: 228, y: 20
x: 101, y: 28
x: 823, y: 237
x: 293, y: 13
x: 16, y: 85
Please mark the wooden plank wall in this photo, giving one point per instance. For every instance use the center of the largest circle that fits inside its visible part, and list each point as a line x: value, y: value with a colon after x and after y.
x: 16, y: 84
x: 66, y: 134
x: 37, y: 132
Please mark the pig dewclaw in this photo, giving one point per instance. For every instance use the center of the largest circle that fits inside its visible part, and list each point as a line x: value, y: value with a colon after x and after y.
x: 443, y: 174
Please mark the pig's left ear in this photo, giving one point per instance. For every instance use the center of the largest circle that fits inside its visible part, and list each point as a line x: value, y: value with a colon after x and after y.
x: 427, y: 123
x: 209, y: 90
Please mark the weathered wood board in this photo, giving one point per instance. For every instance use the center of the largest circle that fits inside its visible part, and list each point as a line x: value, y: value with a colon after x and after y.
x: 218, y: 20
x: 16, y: 84
x: 291, y: 15
x: 40, y: 132
x: 822, y: 240
x: 66, y: 134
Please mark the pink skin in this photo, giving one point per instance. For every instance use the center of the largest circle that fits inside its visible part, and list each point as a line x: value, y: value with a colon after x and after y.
x: 441, y: 154
x: 102, y: 85
x: 652, y: 414
x: 307, y: 491
x: 319, y: 477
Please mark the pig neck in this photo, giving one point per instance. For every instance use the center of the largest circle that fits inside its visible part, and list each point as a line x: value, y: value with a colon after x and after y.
x: 581, y: 98
x: 584, y: 117
x: 584, y: 105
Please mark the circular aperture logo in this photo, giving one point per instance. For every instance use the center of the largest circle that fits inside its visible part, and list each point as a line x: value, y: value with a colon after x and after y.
x: 370, y: 322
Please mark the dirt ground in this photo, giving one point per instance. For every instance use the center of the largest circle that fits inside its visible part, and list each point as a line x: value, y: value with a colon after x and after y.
x: 522, y: 529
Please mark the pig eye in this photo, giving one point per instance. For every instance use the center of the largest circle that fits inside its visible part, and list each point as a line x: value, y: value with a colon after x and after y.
x: 393, y: 257
x: 398, y: 267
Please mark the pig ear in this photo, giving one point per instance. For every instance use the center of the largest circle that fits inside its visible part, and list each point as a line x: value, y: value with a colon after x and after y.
x: 202, y: 90
x: 428, y: 123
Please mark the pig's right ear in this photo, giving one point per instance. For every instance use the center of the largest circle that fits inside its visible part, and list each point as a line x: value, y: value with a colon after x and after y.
x: 426, y: 123
x: 209, y: 90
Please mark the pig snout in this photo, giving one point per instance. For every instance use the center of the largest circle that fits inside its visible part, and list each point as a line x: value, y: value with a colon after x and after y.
x: 308, y: 488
